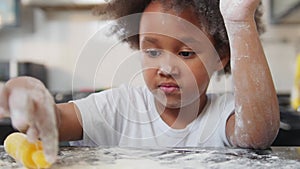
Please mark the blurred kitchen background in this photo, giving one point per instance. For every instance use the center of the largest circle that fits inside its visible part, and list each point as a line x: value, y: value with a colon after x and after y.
x: 63, y: 44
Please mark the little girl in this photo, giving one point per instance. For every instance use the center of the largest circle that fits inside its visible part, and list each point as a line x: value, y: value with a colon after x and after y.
x: 182, y: 43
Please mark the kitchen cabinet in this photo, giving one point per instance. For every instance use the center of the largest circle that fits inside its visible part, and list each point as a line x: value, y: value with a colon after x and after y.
x: 65, y: 4
x: 5, y: 128
x: 9, y: 13
x: 285, y: 12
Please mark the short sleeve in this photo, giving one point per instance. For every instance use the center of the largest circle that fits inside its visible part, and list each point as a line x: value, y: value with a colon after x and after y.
x: 99, y: 113
x: 227, y: 110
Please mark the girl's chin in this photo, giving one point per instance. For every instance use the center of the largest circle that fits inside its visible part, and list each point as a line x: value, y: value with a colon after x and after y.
x: 173, y: 101
x: 169, y: 104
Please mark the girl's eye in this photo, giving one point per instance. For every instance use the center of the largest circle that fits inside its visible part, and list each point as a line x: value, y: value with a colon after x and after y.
x: 187, y: 54
x: 153, y: 52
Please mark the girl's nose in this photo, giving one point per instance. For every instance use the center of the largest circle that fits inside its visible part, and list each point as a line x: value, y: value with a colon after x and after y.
x: 169, y: 65
x: 168, y: 71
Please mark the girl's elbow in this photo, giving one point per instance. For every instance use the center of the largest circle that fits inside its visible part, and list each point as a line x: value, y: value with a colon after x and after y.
x: 259, y: 140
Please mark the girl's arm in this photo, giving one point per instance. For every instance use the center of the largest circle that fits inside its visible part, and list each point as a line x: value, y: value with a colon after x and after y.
x: 69, y: 122
x: 255, y: 123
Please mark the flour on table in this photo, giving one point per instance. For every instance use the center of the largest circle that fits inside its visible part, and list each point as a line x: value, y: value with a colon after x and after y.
x: 188, y: 158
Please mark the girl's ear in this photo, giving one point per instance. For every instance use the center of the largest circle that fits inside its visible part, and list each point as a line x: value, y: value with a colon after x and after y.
x: 222, y: 62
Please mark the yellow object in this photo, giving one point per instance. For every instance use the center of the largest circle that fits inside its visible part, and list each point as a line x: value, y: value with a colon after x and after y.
x: 295, y: 95
x: 28, y: 154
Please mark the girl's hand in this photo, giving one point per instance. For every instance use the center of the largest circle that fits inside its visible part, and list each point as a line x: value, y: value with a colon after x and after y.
x: 238, y: 10
x: 32, y: 110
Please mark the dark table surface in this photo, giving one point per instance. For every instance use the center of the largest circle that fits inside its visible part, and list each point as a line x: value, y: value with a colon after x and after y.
x: 179, y: 158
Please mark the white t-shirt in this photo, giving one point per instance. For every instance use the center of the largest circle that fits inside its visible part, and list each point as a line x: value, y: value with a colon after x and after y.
x: 126, y: 117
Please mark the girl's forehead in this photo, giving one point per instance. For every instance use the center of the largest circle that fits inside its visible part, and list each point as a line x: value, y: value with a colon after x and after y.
x: 187, y: 12
x: 156, y: 19
x: 171, y: 26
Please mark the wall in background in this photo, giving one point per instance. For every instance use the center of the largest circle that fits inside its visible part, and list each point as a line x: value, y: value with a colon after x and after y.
x: 282, y: 45
x: 73, y: 44
x: 58, y: 40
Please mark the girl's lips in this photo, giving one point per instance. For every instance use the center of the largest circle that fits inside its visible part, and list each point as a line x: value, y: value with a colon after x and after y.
x: 169, y: 88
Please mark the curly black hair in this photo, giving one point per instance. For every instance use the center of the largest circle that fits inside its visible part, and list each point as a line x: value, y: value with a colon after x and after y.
x: 126, y: 29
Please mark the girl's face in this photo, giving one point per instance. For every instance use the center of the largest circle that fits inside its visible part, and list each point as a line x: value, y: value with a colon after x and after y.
x: 178, y: 58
